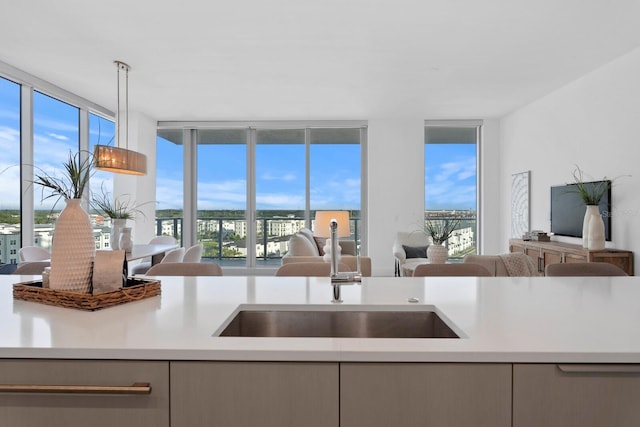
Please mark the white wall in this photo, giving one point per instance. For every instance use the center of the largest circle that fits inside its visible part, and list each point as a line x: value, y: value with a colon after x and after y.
x: 593, y: 123
x: 396, y: 186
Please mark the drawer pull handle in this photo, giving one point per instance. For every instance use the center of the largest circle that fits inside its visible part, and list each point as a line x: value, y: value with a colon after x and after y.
x: 599, y: 369
x: 136, y: 388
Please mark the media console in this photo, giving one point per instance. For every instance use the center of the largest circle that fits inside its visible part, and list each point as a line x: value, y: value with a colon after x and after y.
x: 545, y: 253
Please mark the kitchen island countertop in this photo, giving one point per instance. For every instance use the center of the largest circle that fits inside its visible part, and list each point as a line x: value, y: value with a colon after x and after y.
x: 499, y: 319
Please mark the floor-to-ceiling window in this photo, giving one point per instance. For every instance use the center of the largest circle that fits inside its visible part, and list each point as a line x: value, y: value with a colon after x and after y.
x: 9, y: 171
x: 40, y: 126
x: 222, y: 194
x: 259, y: 184
x: 451, y: 182
x: 56, y: 136
x: 169, y: 183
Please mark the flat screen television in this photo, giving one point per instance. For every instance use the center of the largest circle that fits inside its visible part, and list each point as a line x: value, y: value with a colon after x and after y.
x: 567, y: 209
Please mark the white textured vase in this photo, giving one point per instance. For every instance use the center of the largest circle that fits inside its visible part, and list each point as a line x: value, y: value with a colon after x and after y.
x: 73, y: 250
x: 437, y: 254
x: 126, y: 241
x: 595, y: 229
x: 116, y: 225
x: 589, y: 212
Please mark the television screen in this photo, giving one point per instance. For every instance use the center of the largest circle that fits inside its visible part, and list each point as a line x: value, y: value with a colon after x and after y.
x: 567, y: 209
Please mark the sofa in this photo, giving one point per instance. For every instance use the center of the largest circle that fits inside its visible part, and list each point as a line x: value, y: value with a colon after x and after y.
x: 512, y: 264
x: 305, y: 247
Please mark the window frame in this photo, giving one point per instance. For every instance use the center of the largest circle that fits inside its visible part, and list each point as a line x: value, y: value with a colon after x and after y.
x: 189, y: 141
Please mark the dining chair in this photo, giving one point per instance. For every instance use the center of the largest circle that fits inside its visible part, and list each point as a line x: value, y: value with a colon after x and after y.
x: 33, y: 253
x: 185, y: 269
x: 193, y: 253
x: 173, y: 256
x: 472, y: 270
x: 142, y: 267
x: 583, y: 269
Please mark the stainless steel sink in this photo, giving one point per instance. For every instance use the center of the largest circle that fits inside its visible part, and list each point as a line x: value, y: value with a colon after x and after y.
x: 337, y: 324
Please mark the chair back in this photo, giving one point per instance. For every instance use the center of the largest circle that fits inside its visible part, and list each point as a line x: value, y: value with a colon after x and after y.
x: 33, y: 253
x: 472, y: 270
x: 309, y: 269
x: 172, y: 256
x: 31, y: 267
x: 163, y: 240
x: 194, y: 253
x: 584, y: 269
x: 185, y: 269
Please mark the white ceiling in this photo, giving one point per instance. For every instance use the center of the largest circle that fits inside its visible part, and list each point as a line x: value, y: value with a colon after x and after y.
x: 323, y: 59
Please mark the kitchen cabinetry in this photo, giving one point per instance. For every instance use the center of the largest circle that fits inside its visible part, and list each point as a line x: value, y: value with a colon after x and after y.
x: 425, y: 394
x: 69, y: 393
x: 576, y: 395
x: 249, y: 394
x: 545, y: 253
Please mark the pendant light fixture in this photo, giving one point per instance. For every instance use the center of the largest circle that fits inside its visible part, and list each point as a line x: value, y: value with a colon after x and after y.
x: 119, y: 158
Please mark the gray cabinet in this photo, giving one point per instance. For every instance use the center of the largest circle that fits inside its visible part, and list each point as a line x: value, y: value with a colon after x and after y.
x: 425, y: 394
x: 69, y: 393
x: 266, y: 394
x: 576, y: 395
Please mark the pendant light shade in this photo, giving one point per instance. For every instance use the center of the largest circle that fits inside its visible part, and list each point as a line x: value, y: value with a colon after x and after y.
x: 116, y: 158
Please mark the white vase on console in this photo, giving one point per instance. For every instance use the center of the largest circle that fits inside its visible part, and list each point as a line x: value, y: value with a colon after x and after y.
x: 595, y: 229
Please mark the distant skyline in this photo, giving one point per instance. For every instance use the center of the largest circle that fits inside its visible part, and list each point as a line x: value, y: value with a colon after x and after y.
x: 450, y: 172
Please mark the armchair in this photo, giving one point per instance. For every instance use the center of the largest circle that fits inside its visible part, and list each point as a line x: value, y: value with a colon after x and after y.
x: 409, y: 250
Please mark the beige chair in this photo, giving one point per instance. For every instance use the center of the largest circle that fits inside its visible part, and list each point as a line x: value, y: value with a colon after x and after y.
x: 174, y: 255
x: 194, y: 253
x: 142, y: 267
x: 33, y: 253
x: 185, y: 269
x: 584, y: 269
x: 416, y: 243
x: 309, y: 269
x: 31, y: 267
x: 473, y: 270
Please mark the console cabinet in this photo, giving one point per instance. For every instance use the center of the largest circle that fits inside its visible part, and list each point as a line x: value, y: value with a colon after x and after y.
x: 545, y: 253
x: 576, y: 395
x: 70, y: 393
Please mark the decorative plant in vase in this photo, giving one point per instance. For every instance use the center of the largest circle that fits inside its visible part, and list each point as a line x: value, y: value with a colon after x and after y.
x: 73, y: 245
x: 591, y: 193
x: 440, y: 230
x: 119, y: 210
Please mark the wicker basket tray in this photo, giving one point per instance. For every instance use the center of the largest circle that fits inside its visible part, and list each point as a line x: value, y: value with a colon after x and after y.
x: 135, y: 290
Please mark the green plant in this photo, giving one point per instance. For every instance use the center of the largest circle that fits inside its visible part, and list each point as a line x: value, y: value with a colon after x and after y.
x: 116, y: 208
x: 441, y: 229
x: 590, y: 194
x: 71, y: 185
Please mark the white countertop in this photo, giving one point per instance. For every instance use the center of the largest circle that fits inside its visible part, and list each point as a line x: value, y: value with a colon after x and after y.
x: 562, y: 320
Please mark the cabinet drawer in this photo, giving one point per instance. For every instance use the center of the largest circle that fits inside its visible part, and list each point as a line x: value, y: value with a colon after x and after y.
x: 425, y: 394
x: 69, y: 393
x: 576, y: 395
x: 248, y: 394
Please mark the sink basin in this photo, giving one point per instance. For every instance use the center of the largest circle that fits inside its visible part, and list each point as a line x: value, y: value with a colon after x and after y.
x: 337, y: 324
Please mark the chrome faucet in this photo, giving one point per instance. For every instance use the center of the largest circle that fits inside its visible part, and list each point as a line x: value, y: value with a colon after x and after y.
x: 336, y: 276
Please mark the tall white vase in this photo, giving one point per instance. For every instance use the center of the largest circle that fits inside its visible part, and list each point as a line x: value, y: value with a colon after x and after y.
x: 588, y: 214
x: 437, y: 254
x: 596, y: 230
x: 116, y: 225
x: 73, y: 250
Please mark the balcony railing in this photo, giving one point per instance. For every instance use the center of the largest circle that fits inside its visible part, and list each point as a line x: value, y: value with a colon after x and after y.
x: 224, y: 238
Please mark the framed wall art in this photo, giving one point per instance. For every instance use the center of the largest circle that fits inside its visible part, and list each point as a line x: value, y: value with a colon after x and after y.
x: 520, y: 204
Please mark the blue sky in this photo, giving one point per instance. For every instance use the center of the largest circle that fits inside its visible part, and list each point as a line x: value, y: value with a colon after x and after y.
x: 450, y: 170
